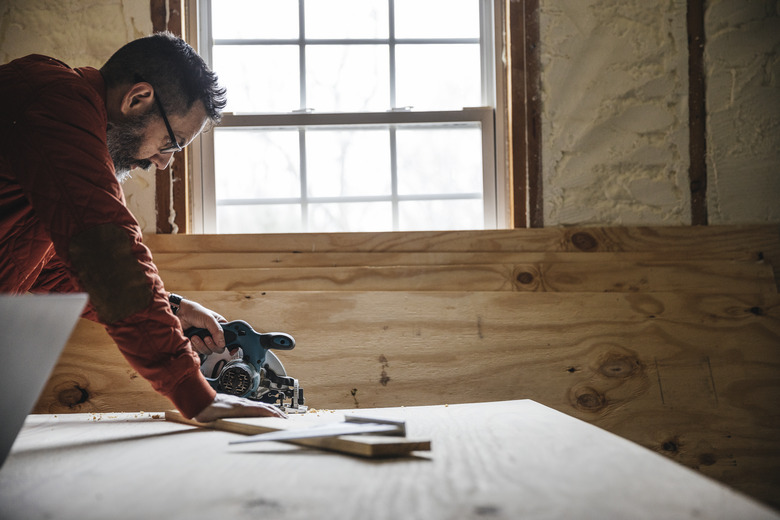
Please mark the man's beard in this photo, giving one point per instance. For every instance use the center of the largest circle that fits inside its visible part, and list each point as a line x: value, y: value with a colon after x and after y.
x: 124, y: 141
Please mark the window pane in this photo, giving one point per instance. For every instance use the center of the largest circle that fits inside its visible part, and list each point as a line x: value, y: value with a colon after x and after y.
x: 440, y: 215
x: 348, y: 162
x: 439, y: 160
x: 347, y: 78
x: 437, y: 18
x: 438, y: 77
x: 262, y: 19
x: 350, y: 216
x: 256, y: 163
x: 259, y: 78
x: 342, y: 19
x: 273, y: 218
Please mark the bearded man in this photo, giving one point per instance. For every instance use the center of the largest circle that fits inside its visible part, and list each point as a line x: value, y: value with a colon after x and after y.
x: 68, y: 136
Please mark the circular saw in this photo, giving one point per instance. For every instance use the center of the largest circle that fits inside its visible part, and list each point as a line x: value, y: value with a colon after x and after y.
x: 248, y: 368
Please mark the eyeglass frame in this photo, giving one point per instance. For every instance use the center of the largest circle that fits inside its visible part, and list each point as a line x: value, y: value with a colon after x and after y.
x: 175, y: 146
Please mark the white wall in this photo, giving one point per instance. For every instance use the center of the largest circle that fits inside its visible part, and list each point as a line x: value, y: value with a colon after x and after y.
x: 614, y: 112
x: 742, y: 60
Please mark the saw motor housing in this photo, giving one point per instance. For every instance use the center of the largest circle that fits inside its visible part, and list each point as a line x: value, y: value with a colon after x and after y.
x: 247, y: 367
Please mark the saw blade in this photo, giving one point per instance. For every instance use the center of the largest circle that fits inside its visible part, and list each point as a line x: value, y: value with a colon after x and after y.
x: 274, y: 364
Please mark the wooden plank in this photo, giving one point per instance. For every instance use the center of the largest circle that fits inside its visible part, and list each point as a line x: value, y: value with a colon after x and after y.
x: 756, y: 243
x: 693, y: 376
x: 616, y: 276
x: 368, y: 446
x: 704, y: 242
x: 250, y: 260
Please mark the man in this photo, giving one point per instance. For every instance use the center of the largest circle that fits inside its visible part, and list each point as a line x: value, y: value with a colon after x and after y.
x: 67, y: 137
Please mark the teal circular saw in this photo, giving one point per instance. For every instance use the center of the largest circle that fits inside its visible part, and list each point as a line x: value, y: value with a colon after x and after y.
x: 248, y: 368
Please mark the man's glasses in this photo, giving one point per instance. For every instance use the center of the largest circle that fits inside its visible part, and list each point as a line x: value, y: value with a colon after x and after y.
x: 174, y: 147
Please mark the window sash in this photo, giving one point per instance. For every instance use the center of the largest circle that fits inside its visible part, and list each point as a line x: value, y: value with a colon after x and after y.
x: 496, y: 192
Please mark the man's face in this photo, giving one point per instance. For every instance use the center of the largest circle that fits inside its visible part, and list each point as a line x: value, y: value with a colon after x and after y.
x: 139, y: 140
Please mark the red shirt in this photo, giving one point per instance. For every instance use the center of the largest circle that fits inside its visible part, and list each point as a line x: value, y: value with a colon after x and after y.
x: 63, y: 219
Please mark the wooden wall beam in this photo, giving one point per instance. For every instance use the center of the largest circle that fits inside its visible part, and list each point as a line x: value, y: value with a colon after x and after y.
x: 697, y: 113
x: 525, y: 114
x: 171, y: 184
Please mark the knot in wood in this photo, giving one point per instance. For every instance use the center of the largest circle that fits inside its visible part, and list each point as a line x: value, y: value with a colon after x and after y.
x: 589, y: 400
x: 73, y: 396
x: 584, y: 241
x: 672, y: 445
x: 619, y: 366
x: 525, y: 278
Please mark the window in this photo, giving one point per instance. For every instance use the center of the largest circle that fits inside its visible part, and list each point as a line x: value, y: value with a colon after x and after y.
x: 351, y: 115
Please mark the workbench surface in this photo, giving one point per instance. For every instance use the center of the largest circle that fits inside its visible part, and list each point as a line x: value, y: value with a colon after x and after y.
x: 500, y: 460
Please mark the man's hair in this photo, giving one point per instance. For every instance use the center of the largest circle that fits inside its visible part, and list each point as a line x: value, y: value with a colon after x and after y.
x: 173, y: 68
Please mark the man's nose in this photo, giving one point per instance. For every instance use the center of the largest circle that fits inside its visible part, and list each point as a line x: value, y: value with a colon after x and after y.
x: 161, y: 160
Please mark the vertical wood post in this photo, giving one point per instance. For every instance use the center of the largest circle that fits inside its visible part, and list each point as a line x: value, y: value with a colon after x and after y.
x: 525, y: 114
x: 697, y: 114
x: 171, y: 184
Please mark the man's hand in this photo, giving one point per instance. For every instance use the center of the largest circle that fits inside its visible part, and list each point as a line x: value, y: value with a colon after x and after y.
x: 193, y: 314
x: 225, y: 405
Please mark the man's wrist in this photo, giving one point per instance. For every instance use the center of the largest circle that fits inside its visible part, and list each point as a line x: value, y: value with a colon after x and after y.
x: 175, y: 301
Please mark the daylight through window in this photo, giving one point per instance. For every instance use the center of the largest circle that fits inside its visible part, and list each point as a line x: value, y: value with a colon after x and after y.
x: 349, y: 115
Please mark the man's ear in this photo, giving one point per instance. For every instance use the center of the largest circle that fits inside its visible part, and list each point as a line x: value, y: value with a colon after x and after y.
x: 137, y: 99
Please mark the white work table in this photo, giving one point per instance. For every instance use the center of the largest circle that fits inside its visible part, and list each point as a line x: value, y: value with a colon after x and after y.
x: 501, y: 460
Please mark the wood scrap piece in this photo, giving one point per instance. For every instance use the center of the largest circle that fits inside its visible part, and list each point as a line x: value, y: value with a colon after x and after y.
x: 369, y: 446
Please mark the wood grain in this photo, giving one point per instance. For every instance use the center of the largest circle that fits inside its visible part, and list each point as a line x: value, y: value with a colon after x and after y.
x: 368, y: 446
x: 758, y: 243
x: 706, y: 242
x: 615, y: 276
x: 251, y: 260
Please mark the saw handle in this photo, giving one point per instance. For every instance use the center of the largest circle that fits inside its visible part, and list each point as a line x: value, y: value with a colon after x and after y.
x: 239, y: 328
x: 230, y: 336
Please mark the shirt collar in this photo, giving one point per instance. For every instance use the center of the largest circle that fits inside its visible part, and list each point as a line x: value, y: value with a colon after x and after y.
x: 94, y: 79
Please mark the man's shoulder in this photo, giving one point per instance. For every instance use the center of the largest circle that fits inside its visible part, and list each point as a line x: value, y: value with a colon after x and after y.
x: 35, y: 71
x: 43, y: 80
x: 39, y: 62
